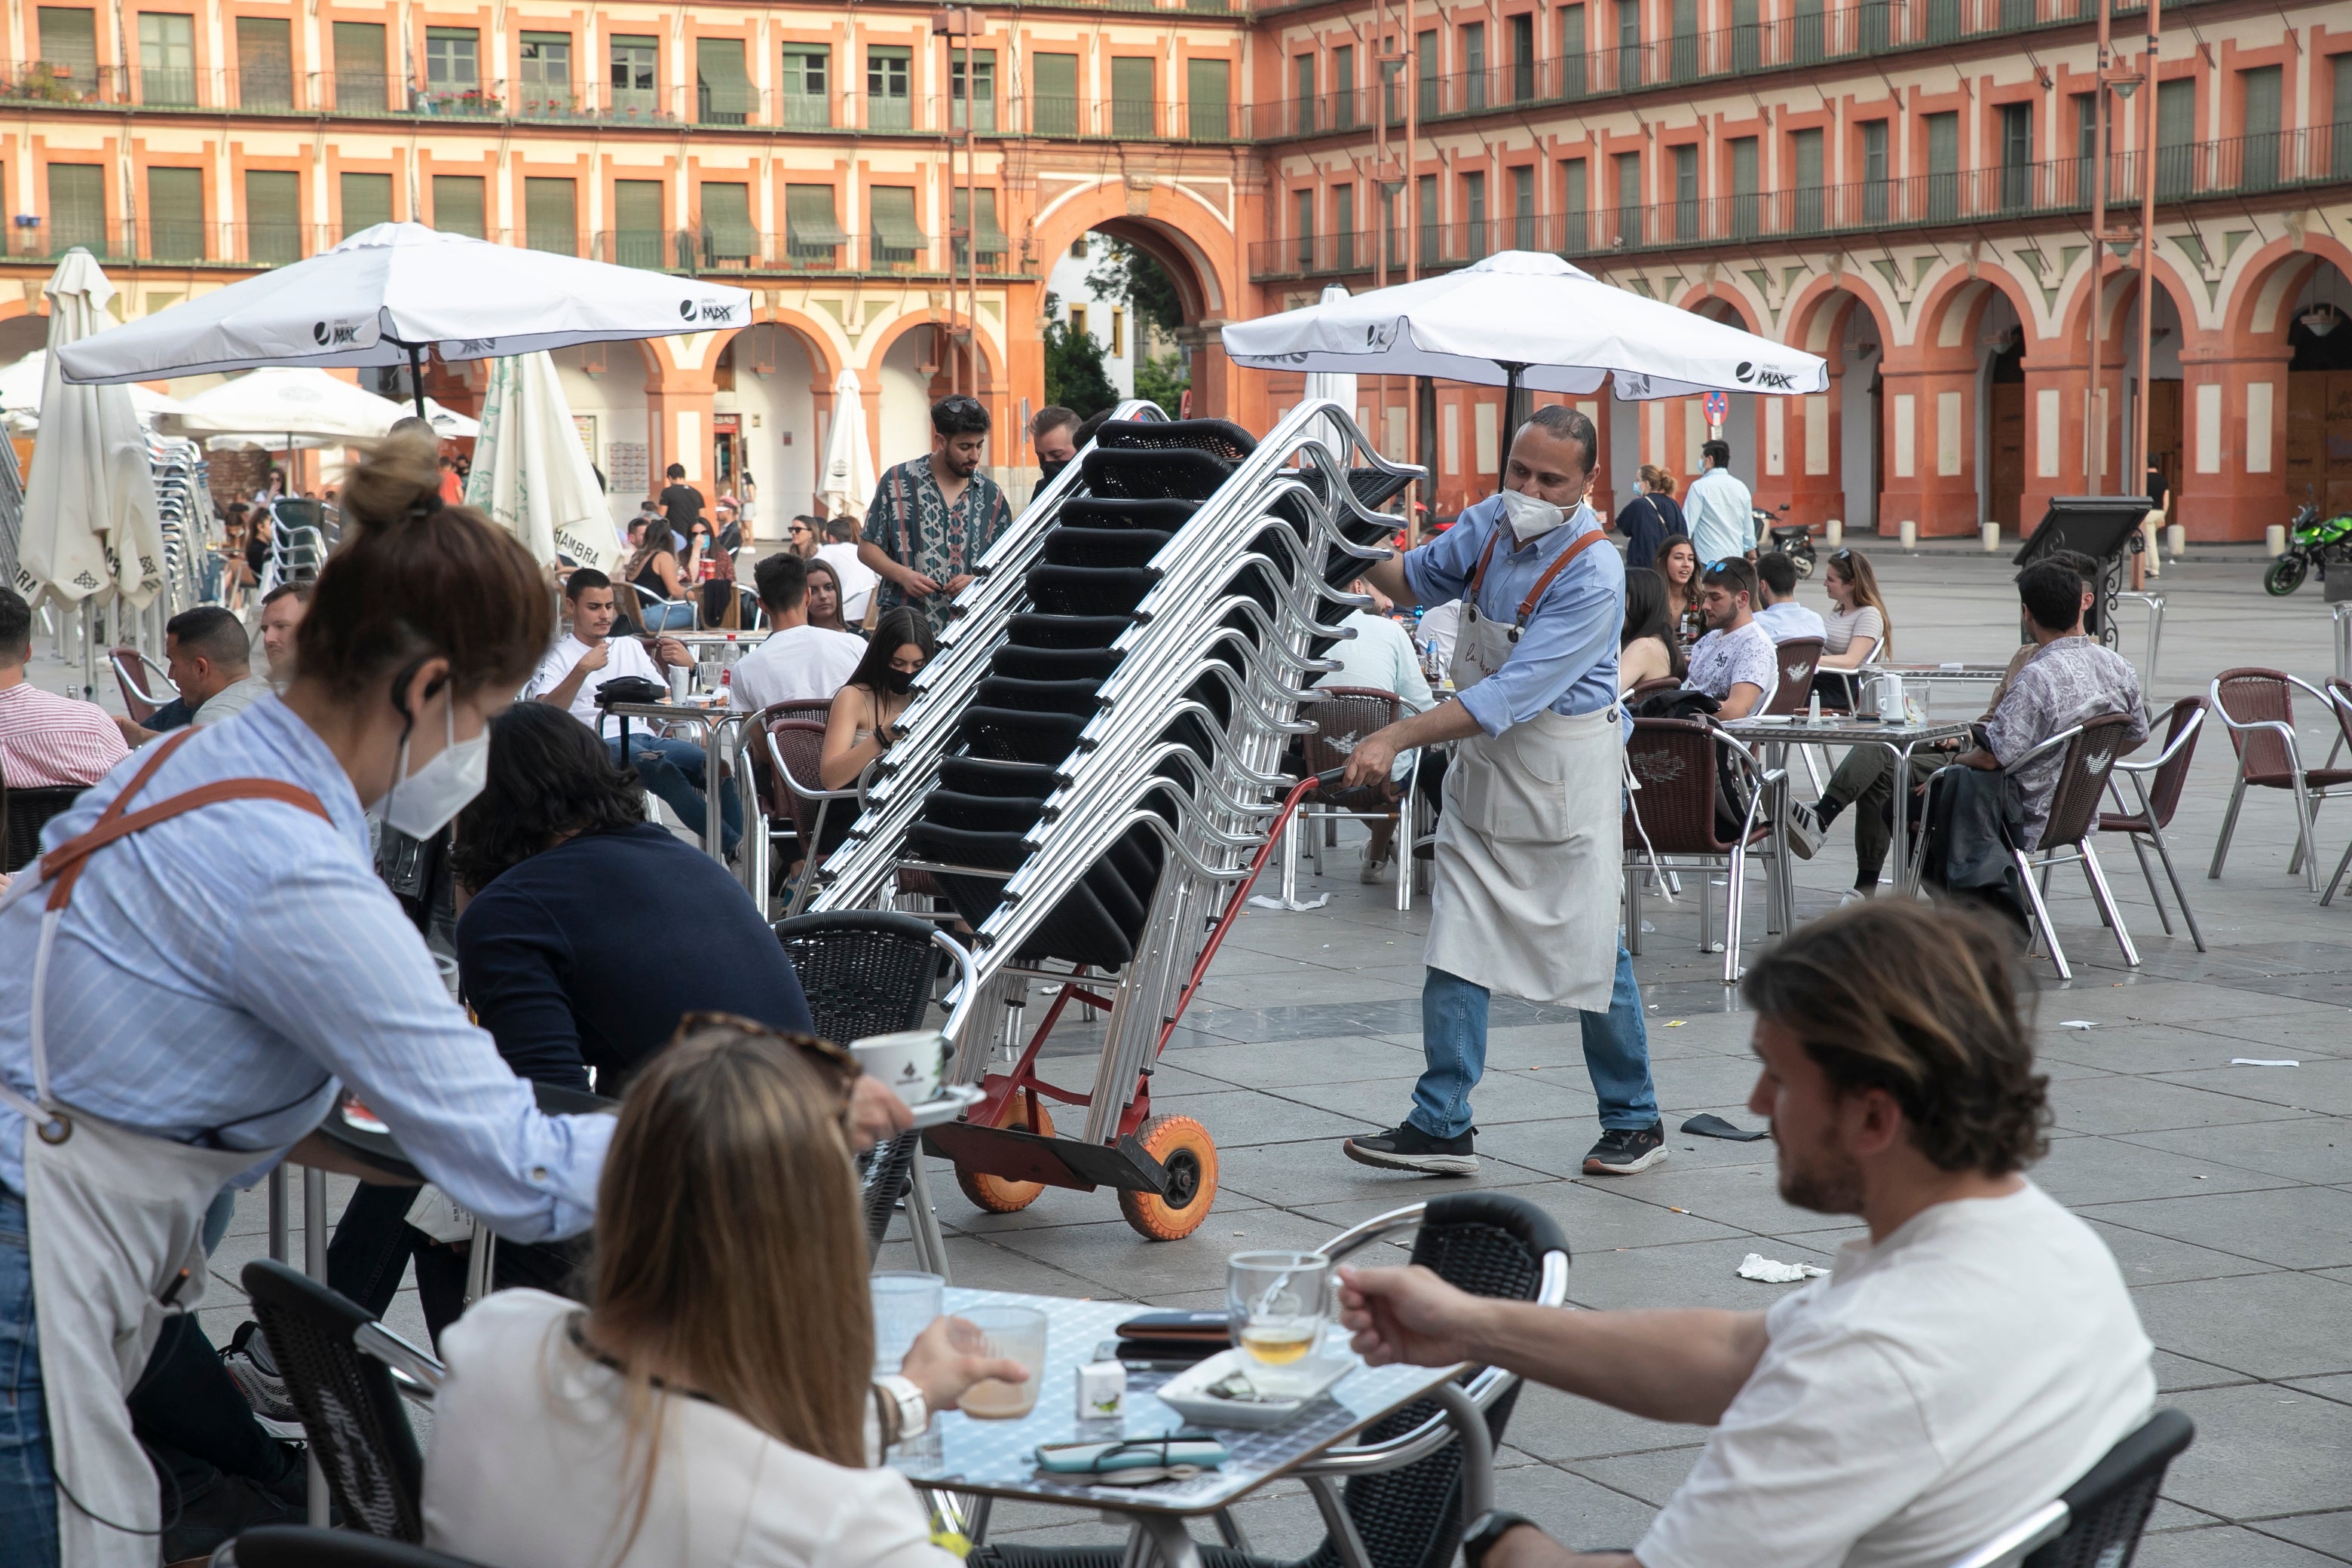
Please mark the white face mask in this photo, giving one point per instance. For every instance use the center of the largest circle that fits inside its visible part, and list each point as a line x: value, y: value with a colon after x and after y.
x: 422, y: 803
x: 1528, y: 517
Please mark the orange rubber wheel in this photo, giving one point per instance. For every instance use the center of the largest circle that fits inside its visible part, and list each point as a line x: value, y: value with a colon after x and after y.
x: 1002, y: 1194
x: 1185, y: 1148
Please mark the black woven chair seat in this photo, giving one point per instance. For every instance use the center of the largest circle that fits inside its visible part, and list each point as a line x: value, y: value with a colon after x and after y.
x: 983, y: 813
x: 1054, y: 663
x: 1064, y: 631
x: 1121, y: 512
x: 1109, y: 1557
x: 1222, y: 437
x: 992, y: 775
x: 1073, y: 697
x: 1008, y: 734
x: 1374, y: 486
x: 1089, y: 590
x: 23, y: 814
x: 1079, y: 930
x: 1067, y: 546
x: 1177, y: 474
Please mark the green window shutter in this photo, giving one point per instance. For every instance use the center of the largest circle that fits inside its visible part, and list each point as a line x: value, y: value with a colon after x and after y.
x: 1474, y: 204
x: 1474, y: 63
x: 988, y: 241
x: 889, y: 88
x: 896, y: 240
x: 1053, y: 94
x: 1433, y: 228
x: 1747, y: 181
x: 727, y: 235
x: 1806, y: 151
x: 632, y: 62
x: 1305, y: 119
x: 1629, y: 196
x: 638, y: 224
x: 167, y: 58
x: 1747, y: 39
x: 366, y: 201
x: 176, y: 214
x: 2260, y: 93
x: 722, y: 86
x: 1574, y: 79
x: 545, y: 86
x: 1131, y: 98
x: 1943, y: 167
x: 812, y: 233
x: 1874, y: 186
x: 1575, y: 202
x: 69, y: 45
x: 273, y: 216
x: 1684, y: 60
x: 265, y: 62
x: 78, y: 207
x: 1208, y: 86
x: 453, y: 70
x: 808, y: 94
x: 551, y: 210
x: 982, y: 96
x: 362, y: 81
x: 458, y: 202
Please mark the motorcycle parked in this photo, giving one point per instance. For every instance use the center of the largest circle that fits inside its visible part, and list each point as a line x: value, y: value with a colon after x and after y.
x: 2312, y: 541
x: 1793, y: 540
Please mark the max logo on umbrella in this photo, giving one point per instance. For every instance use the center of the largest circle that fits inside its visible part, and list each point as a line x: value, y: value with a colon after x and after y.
x: 334, y: 334
x: 1750, y: 374
x: 711, y: 311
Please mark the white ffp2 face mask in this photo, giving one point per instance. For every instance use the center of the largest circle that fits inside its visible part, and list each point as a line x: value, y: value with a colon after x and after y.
x: 421, y: 804
x: 1529, y: 518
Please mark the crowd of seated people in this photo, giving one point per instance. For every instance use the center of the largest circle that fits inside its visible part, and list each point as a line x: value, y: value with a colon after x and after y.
x: 209, y: 657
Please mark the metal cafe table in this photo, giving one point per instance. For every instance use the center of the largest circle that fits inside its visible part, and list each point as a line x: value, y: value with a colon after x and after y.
x: 1898, y: 740
x: 991, y: 1459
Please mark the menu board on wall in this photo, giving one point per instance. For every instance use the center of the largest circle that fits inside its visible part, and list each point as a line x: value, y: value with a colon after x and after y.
x: 624, y: 467
x: 586, y: 424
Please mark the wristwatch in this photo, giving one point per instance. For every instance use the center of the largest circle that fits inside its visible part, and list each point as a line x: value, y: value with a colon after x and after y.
x: 904, y: 1413
x: 1484, y: 1530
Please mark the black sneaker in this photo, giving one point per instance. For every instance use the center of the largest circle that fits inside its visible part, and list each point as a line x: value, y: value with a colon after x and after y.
x: 254, y: 1369
x: 1625, y: 1150
x: 1407, y: 1148
x: 1805, y: 830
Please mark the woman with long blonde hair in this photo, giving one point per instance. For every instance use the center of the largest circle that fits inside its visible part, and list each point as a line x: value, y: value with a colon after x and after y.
x: 1860, y: 628
x: 712, y: 1406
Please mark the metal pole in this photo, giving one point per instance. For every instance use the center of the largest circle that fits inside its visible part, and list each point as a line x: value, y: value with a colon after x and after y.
x: 2094, y: 422
x: 2147, y: 278
x: 1410, y: 80
x: 416, y: 375
x: 314, y: 1264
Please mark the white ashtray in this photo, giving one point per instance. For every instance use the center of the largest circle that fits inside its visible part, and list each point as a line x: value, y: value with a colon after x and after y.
x: 949, y: 1104
x: 1289, y: 1389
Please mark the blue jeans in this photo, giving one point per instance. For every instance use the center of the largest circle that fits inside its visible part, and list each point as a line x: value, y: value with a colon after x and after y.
x: 673, y: 772
x: 28, y: 1503
x: 677, y: 616
x: 1453, y: 1040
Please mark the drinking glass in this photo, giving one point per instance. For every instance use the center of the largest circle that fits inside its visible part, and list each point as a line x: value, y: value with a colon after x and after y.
x: 1278, y: 1301
x: 905, y: 1304
x: 1014, y: 1333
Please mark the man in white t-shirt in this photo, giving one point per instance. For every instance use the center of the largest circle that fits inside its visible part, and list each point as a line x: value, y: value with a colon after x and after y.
x: 1735, y: 662
x: 1381, y: 658
x: 1966, y: 1363
x: 1780, y: 614
x: 839, y: 551
x: 587, y: 656
x: 798, y: 662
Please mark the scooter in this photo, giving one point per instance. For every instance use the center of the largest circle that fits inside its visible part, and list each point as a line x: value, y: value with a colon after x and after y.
x: 1793, y: 540
x: 2311, y: 540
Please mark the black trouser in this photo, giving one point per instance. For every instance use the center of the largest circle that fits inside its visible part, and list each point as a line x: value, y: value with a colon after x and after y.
x: 1865, y: 781
x: 375, y: 1245
x: 198, y: 1431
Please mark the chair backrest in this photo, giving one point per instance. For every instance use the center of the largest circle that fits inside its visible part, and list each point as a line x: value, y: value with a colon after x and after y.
x: 1797, y: 658
x: 300, y: 1546
x: 1673, y: 760
x: 2108, y: 1507
x: 1489, y: 1244
x: 2083, y: 773
x: 23, y: 814
x: 131, y: 668
x: 1641, y: 689
x: 1342, y: 715
x: 2172, y: 773
x: 2339, y: 699
x: 2252, y: 695
x: 800, y: 743
x: 350, y: 1410
x: 812, y: 708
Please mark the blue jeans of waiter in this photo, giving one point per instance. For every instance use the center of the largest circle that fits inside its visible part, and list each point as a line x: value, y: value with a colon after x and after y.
x: 1453, y: 1040
x: 673, y: 773
x: 28, y: 1503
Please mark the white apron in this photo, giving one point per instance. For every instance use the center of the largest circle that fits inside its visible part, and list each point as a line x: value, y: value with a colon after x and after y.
x: 1529, y: 847
x: 114, y: 1219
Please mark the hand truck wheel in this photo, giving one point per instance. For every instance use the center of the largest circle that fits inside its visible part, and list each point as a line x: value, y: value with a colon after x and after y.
x: 1000, y: 1194
x: 1185, y: 1148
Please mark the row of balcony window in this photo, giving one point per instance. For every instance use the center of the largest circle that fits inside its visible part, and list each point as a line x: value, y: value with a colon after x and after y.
x: 2238, y: 166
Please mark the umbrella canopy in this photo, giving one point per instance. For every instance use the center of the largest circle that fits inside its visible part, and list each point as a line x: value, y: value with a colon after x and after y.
x: 392, y: 294
x: 276, y: 409
x: 1336, y: 385
x: 21, y: 386
x: 1525, y: 319
x: 92, y: 524
x: 848, y: 480
x: 530, y: 473
x: 448, y: 423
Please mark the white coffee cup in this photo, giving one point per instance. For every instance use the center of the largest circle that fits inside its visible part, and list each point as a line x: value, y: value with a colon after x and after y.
x: 913, y: 1064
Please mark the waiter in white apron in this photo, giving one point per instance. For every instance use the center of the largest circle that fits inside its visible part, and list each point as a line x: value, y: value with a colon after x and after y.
x: 204, y: 956
x: 1528, y: 852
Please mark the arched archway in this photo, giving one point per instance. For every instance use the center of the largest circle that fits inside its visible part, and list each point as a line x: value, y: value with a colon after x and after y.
x: 905, y: 370
x: 1836, y: 456
x: 606, y: 385
x: 772, y: 401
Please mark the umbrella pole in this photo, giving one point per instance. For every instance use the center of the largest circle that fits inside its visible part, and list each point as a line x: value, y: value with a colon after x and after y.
x: 1512, y: 416
x: 88, y: 651
x: 416, y: 375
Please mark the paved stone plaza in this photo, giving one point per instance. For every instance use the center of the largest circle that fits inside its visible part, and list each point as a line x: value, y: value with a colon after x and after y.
x: 2225, y: 1192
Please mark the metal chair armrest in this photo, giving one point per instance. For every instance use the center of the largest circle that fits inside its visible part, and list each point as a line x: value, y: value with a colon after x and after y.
x: 414, y: 1370
x: 2010, y: 1546
x: 967, y: 986
x: 815, y: 797
x: 1466, y: 1408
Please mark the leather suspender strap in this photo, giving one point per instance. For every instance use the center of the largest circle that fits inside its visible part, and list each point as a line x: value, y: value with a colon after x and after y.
x: 1478, y: 577
x: 1527, y: 605
x: 62, y: 866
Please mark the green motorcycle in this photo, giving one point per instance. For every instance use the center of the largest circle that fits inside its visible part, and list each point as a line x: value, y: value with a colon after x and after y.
x: 2310, y: 541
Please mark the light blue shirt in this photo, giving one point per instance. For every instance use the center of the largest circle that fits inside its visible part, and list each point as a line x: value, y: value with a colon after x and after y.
x: 1790, y: 619
x: 226, y: 971
x: 1721, y: 514
x: 1566, y: 659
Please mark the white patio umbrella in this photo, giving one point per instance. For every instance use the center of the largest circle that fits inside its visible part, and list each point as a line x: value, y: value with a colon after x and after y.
x: 395, y: 293
x: 21, y: 386
x: 90, y: 523
x: 1526, y: 319
x: 530, y: 473
x: 448, y: 423
x: 849, y: 482
x: 280, y: 408
x: 1336, y: 385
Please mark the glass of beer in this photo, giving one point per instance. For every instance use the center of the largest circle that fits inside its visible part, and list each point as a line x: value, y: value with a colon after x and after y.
x: 1014, y: 1333
x: 1278, y: 1301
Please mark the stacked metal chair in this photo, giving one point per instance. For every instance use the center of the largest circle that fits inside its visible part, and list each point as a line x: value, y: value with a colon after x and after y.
x: 1091, y: 759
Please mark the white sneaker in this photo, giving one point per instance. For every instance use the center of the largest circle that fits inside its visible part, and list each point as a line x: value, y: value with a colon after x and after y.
x: 1851, y: 896
x: 1372, y: 872
x: 1804, y: 830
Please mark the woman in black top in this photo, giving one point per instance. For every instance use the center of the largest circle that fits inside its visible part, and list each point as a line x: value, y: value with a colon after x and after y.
x: 1650, y: 517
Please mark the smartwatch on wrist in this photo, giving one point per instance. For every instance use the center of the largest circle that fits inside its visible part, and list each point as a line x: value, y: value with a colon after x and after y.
x: 1484, y: 1530
x: 906, y: 1402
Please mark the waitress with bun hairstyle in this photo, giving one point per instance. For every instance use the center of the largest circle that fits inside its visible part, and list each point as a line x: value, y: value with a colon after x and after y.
x: 203, y: 958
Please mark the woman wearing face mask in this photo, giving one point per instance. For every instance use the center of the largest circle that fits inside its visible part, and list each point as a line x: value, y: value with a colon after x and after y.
x: 865, y: 718
x: 204, y: 954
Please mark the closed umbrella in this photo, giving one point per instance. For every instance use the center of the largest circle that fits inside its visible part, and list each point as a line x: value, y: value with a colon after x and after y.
x: 849, y: 482
x: 530, y: 473
x: 91, y: 527
x: 397, y: 292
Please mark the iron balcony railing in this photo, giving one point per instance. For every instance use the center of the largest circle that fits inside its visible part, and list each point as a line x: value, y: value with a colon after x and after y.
x: 2278, y: 160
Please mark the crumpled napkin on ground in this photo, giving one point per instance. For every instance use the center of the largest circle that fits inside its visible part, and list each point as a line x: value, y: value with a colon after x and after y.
x: 1772, y: 1271
x: 1261, y: 901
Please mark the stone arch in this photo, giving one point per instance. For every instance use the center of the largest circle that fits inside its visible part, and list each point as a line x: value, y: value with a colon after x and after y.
x: 888, y: 374
x: 1176, y: 227
x: 1954, y: 306
x: 2268, y: 280
x: 2118, y: 292
x: 1835, y: 446
x: 775, y: 378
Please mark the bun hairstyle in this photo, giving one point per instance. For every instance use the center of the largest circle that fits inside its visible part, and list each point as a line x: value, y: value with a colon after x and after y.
x: 417, y: 578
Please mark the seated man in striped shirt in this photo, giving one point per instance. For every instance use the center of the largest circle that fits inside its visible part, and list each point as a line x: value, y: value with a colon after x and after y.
x: 47, y: 742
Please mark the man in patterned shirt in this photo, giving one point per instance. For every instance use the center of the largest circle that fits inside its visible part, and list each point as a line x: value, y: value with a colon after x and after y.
x: 933, y: 518
x: 1733, y: 663
x: 47, y: 742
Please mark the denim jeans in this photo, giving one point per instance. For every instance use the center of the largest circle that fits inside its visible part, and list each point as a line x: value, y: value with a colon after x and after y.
x: 673, y: 772
x: 28, y: 1503
x: 675, y: 616
x: 1454, y: 1041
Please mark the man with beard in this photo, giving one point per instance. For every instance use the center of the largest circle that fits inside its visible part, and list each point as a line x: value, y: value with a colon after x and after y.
x: 933, y: 518
x: 1052, y: 435
x: 1734, y: 662
x: 1966, y: 1361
